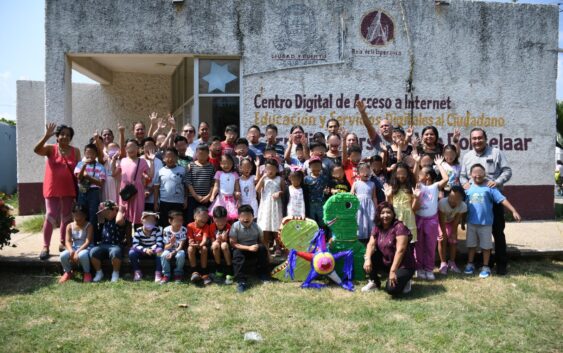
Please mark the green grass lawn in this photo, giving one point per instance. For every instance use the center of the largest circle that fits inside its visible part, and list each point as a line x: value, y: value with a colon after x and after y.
x: 519, y: 313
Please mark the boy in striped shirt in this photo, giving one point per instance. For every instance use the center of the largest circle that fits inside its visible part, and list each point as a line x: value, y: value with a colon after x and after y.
x: 147, y: 242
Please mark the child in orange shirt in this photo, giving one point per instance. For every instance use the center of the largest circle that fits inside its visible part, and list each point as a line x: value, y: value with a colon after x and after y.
x: 198, y: 241
x: 219, y: 234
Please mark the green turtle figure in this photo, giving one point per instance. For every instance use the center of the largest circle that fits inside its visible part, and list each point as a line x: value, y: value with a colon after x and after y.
x: 339, y: 214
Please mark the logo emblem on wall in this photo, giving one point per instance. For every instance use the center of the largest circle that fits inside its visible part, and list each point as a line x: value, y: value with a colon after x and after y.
x: 377, y: 28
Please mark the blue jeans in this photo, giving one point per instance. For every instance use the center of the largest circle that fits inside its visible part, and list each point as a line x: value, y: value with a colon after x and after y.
x: 83, y: 258
x: 180, y: 261
x: 136, y: 254
x: 106, y: 250
x: 91, y: 199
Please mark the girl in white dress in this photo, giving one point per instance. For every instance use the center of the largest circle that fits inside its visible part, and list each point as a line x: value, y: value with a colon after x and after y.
x: 270, y: 212
x: 226, y: 190
x: 247, y: 184
x: 296, y: 205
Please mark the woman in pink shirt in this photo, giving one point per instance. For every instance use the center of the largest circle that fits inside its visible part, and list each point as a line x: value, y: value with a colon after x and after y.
x: 59, y: 185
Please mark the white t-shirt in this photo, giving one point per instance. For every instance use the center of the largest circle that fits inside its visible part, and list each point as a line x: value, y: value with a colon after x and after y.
x: 428, y: 200
x: 226, y: 182
x: 449, y: 212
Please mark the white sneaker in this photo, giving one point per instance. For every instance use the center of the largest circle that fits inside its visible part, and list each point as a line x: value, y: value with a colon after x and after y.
x: 421, y: 274
x: 115, y: 276
x: 99, y: 276
x: 408, y: 287
x: 430, y: 275
x: 369, y: 287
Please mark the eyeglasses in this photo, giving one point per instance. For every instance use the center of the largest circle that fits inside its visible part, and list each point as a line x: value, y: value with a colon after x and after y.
x: 189, y: 131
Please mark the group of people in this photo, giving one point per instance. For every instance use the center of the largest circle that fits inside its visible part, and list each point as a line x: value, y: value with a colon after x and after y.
x: 167, y: 194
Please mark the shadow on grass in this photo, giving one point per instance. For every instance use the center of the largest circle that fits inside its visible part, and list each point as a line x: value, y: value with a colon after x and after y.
x: 15, y: 284
x: 544, y: 267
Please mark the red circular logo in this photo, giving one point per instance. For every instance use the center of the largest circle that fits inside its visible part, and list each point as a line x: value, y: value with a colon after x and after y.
x: 377, y: 28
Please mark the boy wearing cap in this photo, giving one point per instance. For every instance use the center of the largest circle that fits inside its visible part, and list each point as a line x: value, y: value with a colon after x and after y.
x: 111, y: 219
x: 147, y: 242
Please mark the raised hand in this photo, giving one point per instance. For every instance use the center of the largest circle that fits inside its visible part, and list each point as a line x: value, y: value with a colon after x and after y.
x: 387, y: 190
x: 50, y: 129
x: 415, y: 141
x: 361, y: 106
x: 257, y: 162
x: 171, y: 119
x: 457, y: 135
x: 120, y: 127
x: 409, y: 131
x: 416, y: 191
x: 438, y: 160
x: 153, y: 117
x: 417, y: 157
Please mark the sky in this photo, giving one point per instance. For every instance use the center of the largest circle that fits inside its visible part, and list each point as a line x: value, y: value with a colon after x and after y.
x: 22, y: 40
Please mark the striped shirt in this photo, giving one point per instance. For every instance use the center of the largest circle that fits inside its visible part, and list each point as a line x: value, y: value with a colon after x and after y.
x: 201, y: 178
x: 181, y: 235
x: 143, y: 242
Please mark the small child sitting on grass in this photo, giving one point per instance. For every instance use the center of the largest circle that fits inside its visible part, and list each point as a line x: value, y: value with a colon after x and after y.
x: 247, y: 241
x: 219, y: 234
x: 198, y: 241
x: 480, y: 200
x: 174, y: 240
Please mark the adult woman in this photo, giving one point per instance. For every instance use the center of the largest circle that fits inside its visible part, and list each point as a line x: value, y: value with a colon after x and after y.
x: 389, y: 249
x: 350, y: 139
x: 59, y: 185
x: 297, y: 136
x: 430, y: 144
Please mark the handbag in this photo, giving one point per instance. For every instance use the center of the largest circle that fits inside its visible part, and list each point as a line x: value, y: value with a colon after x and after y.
x: 129, y: 190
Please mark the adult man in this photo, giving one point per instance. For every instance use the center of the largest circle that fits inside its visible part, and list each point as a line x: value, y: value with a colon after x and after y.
x: 498, y: 173
x: 188, y: 131
x: 378, y: 141
x: 253, y: 137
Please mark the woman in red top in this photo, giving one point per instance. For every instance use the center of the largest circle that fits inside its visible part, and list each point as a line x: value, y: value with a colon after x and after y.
x: 59, y: 186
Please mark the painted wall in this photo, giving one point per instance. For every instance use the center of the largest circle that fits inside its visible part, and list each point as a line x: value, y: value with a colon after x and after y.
x: 8, y: 156
x: 479, y: 64
x: 130, y: 98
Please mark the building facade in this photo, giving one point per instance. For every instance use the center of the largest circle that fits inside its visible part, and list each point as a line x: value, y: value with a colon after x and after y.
x: 462, y: 65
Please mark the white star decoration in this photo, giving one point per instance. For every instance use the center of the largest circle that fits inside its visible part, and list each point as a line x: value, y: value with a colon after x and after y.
x: 218, y: 77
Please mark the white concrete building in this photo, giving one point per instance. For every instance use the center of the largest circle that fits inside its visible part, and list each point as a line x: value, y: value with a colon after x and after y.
x: 465, y: 64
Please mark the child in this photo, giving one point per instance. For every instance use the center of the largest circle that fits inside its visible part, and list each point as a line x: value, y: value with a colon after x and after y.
x: 219, y: 234
x: 427, y: 222
x: 198, y: 237
x: 272, y: 140
x: 226, y: 190
x: 247, y: 184
x: 200, y: 181
x: 91, y: 176
x: 271, y: 188
x: 319, y: 150
x: 296, y: 205
x: 400, y: 193
x: 169, y: 187
x: 399, y: 149
x: 181, y: 145
x: 215, y: 152
x: 319, y: 137
x: 299, y: 159
x: 364, y: 189
x: 338, y: 182
x: 147, y: 242
x: 174, y: 241
x: 376, y: 164
x: 112, y: 220
x: 480, y: 218
x: 79, y: 237
x: 149, y: 149
x: 247, y: 241
x: 111, y: 165
x: 353, y: 157
x: 333, y: 143
x: 452, y: 167
x: 450, y: 211
x: 315, y: 184
x: 228, y: 146
x: 242, y: 151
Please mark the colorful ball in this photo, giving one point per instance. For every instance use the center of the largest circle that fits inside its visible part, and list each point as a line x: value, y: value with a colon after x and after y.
x: 323, y: 263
